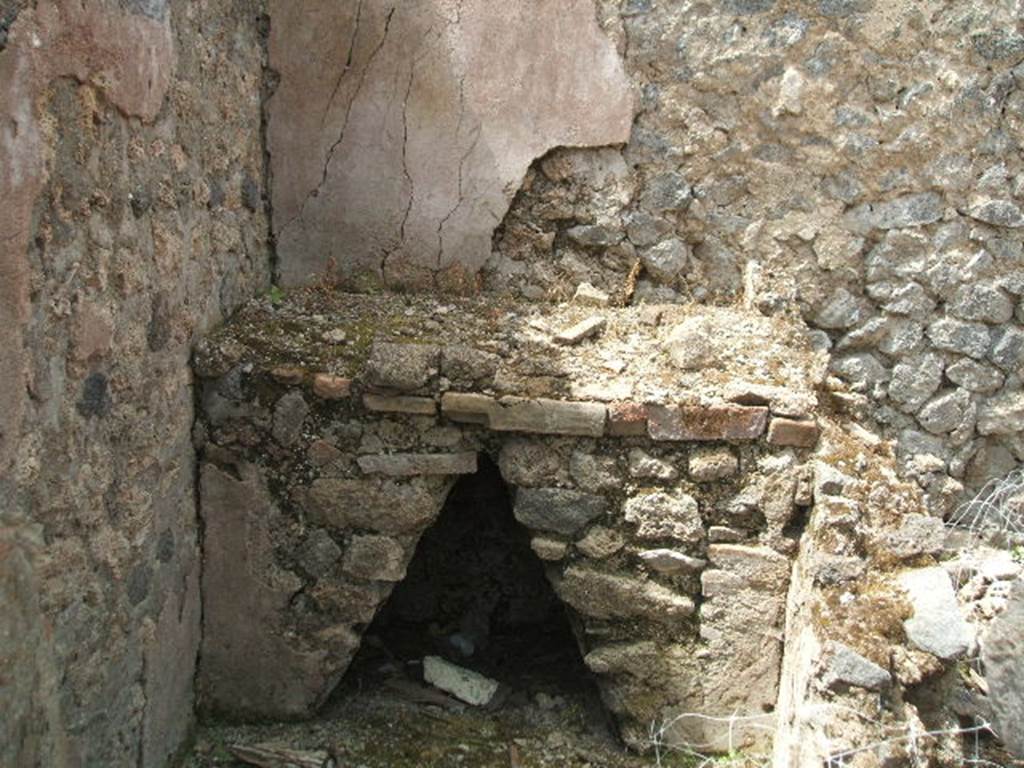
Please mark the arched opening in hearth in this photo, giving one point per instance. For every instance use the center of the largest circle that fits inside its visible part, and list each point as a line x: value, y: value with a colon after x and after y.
x: 476, y: 596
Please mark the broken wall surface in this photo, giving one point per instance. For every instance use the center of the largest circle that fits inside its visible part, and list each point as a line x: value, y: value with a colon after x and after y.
x: 853, y: 162
x: 399, y: 132
x: 132, y: 219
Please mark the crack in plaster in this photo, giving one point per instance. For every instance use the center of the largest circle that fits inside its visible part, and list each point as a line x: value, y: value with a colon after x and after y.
x: 344, y: 126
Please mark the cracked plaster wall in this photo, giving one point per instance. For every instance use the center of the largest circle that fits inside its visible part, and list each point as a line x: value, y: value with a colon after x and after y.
x: 133, y: 219
x: 400, y: 131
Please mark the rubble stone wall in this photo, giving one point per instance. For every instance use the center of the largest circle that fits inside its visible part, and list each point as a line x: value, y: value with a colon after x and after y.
x: 131, y: 174
x: 854, y: 163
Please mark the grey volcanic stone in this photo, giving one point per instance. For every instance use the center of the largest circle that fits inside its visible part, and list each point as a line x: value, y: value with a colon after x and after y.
x: 841, y: 311
x: 594, y: 235
x: 907, y: 211
x: 660, y: 515
x: 289, y: 414
x: 95, y: 399
x: 915, y: 380
x: 1000, y: 213
x: 666, y: 192
x: 946, y: 412
x: 971, y: 339
x: 557, y: 510
x: 1008, y: 352
x: 377, y: 558
x: 666, y: 260
x: 936, y: 626
x: 974, y: 376
x: 1002, y: 415
x: 845, y: 667
x: 862, y: 370
x: 405, y: 367
x: 981, y: 303
x: 1002, y: 651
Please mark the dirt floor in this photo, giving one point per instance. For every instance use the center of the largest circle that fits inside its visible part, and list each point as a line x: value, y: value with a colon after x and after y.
x: 396, y: 722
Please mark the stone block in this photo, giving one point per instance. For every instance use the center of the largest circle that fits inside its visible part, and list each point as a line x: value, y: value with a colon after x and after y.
x: 706, y: 423
x: 557, y: 510
x: 723, y: 534
x: 643, y: 465
x: 712, y: 464
x: 289, y: 415
x: 467, y: 367
x: 581, y: 331
x: 670, y: 562
x: 548, y: 417
x: 627, y: 419
x: 601, y: 542
x: 596, y: 473
x: 418, y: 406
x: 608, y: 596
x: 790, y: 432
x: 384, y: 506
x: 1002, y: 415
x: 917, y: 535
x: 411, y: 464
x: 374, y: 558
x: 936, y: 626
x: 549, y: 550
x: 530, y: 463
x: 971, y: 339
x: 758, y: 568
x: 331, y: 387
x: 844, y: 667
x: 660, y: 515
x: 402, y: 367
x: 1003, y: 655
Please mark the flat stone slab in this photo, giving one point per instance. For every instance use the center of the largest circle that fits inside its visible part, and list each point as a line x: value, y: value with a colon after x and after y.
x: 517, y: 414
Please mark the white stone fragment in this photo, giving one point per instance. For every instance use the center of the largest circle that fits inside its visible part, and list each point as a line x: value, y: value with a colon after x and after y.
x: 464, y: 684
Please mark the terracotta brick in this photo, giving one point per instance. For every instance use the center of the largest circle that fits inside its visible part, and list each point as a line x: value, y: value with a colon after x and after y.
x: 705, y: 423
x: 799, y: 434
x: 627, y: 419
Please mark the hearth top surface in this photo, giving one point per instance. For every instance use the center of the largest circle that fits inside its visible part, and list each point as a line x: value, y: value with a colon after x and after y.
x: 662, y: 353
